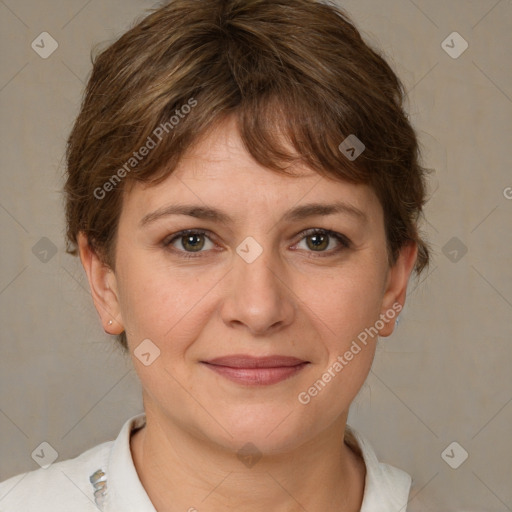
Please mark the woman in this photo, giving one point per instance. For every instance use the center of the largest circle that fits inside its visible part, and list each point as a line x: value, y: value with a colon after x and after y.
x: 243, y: 190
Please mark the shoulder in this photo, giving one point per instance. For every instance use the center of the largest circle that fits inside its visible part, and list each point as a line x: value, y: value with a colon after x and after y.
x: 80, y: 484
x: 386, y: 487
x: 63, y: 486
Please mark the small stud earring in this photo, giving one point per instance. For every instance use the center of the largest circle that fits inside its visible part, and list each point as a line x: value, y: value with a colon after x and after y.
x: 110, y: 322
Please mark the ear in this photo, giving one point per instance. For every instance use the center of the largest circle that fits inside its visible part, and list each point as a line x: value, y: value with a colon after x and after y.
x: 396, y: 287
x: 103, y: 284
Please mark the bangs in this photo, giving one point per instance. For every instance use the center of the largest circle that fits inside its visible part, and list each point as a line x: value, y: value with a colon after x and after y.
x: 282, y: 125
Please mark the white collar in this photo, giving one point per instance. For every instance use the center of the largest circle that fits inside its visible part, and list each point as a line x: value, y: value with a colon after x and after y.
x: 386, y: 487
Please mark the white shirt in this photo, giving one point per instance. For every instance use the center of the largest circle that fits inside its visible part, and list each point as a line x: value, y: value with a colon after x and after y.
x: 66, y: 486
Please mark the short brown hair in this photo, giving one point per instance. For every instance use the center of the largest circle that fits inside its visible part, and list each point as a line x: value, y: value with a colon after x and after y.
x: 296, y: 75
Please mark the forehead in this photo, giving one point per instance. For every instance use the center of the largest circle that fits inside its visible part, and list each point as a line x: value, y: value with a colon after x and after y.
x: 218, y: 171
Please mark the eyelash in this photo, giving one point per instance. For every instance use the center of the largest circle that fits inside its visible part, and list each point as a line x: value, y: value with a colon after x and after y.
x: 342, y: 239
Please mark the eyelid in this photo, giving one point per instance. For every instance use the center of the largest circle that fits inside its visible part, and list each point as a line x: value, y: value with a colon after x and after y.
x: 174, y: 236
x: 340, y: 237
x: 343, y: 240
x: 188, y: 255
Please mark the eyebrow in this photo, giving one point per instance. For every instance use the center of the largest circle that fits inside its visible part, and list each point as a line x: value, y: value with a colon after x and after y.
x: 295, y: 214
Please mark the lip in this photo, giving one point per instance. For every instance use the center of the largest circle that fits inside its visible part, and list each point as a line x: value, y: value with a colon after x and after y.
x: 256, y: 371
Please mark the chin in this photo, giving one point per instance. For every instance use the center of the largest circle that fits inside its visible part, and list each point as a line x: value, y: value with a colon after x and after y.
x: 269, y: 430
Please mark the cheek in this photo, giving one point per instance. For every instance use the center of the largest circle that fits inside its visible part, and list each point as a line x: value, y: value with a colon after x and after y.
x: 347, y: 311
x: 347, y: 304
x: 162, y: 303
x: 336, y: 388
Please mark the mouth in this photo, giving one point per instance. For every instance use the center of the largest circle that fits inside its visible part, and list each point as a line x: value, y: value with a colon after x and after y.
x: 256, y: 371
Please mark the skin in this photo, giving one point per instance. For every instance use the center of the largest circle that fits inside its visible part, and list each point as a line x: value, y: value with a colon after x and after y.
x: 294, y: 299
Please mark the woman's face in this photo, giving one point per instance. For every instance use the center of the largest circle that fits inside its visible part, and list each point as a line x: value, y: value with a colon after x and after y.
x: 252, y: 280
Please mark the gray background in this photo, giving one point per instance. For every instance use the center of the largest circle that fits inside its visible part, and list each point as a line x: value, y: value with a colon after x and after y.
x: 443, y: 376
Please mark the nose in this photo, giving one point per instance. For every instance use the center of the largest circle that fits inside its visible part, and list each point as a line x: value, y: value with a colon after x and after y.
x: 258, y: 295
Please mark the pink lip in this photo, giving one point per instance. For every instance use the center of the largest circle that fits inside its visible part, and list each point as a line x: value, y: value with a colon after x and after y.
x: 256, y: 371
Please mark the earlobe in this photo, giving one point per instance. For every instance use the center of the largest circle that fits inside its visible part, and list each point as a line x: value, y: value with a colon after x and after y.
x: 103, y: 285
x: 396, y: 288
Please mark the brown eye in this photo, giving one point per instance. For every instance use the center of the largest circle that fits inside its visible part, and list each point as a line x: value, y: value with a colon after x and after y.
x: 189, y: 241
x: 317, y: 241
x: 193, y: 242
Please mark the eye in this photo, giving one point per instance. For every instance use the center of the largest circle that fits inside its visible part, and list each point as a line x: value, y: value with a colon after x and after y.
x: 189, y: 241
x: 319, y: 240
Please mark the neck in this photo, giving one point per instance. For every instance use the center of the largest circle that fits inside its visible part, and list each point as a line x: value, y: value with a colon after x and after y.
x: 183, y: 473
